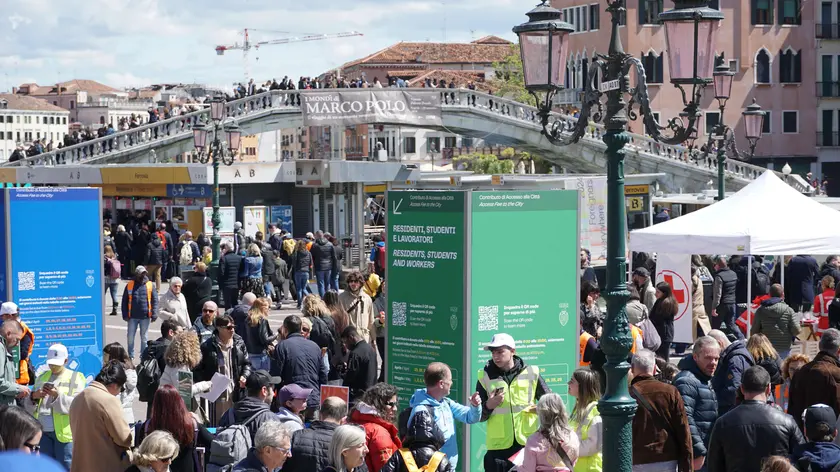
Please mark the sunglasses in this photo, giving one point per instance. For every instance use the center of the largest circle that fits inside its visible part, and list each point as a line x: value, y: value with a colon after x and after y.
x: 206, y: 310
x: 392, y: 404
x: 33, y: 447
x: 228, y: 327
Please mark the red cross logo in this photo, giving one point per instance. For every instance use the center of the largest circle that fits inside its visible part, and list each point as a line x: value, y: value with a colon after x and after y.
x: 679, y: 288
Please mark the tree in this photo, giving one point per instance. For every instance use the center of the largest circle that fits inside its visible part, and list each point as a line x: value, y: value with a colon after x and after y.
x: 483, y: 164
x: 510, y: 79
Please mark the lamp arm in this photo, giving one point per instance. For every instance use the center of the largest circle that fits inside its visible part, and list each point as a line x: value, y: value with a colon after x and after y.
x: 555, y: 130
x: 732, y: 145
x: 639, y: 95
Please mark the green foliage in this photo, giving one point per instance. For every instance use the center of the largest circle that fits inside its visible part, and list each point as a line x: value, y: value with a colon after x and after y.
x: 510, y: 81
x: 483, y: 164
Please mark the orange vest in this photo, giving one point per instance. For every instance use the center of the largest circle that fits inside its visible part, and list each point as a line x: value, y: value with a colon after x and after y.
x: 130, y: 287
x: 634, y: 333
x: 584, y: 338
x: 23, y: 375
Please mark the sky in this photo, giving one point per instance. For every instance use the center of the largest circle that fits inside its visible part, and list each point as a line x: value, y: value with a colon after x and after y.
x: 131, y: 43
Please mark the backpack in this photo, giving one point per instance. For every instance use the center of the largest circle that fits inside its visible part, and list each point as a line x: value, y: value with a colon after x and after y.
x: 148, y: 376
x: 114, y: 268
x: 402, y: 420
x: 185, y: 257
x: 760, y: 283
x: 379, y: 261
x: 230, y: 445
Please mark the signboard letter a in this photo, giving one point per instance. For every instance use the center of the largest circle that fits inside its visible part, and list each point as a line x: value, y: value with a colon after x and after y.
x: 237, y: 174
x: 314, y: 171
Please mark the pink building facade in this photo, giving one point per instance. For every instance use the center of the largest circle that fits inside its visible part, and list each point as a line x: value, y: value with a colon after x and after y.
x: 771, y: 46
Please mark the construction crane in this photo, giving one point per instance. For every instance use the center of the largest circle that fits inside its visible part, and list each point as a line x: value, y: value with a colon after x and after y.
x: 248, y: 44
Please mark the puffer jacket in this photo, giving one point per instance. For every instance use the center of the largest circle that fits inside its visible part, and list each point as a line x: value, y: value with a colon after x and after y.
x: 323, y: 255
x: 423, y: 440
x: 309, y: 448
x: 700, y: 403
x: 776, y: 320
x: 381, y: 436
x: 744, y: 437
x: 301, y: 261
x: 268, y: 266
x: 155, y: 253
x: 734, y: 360
x: 211, y: 357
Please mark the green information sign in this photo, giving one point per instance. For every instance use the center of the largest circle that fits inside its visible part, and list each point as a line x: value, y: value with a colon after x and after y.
x: 15, y: 352
x: 425, y: 275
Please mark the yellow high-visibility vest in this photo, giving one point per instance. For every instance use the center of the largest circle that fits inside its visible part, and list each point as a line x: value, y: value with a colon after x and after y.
x: 515, y: 418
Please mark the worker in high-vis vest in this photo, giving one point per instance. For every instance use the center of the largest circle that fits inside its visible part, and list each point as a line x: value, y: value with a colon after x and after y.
x: 50, y: 401
x: 10, y: 311
x: 139, y: 307
x: 509, y: 392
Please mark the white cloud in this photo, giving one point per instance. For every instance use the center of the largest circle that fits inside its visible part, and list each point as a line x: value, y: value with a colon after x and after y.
x: 126, y: 80
x: 17, y: 20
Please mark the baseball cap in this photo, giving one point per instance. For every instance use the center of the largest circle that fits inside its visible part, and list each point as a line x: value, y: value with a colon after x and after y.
x: 641, y: 272
x: 501, y: 339
x: 57, y: 355
x: 140, y: 269
x: 817, y: 414
x: 309, y: 235
x: 259, y: 379
x: 8, y: 308
x: 293, y: 392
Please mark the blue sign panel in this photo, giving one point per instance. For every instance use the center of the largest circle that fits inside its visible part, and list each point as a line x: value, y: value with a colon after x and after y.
x: 59, y: 289
x: 189, y: 190
x: 281, y: 215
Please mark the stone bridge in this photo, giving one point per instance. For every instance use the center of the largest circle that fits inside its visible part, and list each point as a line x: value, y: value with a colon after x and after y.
x: 464, y: 112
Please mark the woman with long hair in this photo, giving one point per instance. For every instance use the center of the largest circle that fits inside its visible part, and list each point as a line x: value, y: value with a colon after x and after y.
x: 348, y: 449
x: 250, y: 273
x: 155, y: 454
x: 169, y: 413
x: 338, y: 313
x: 111, y: 283
x: 766, y: 356
x: 323, y: 332
x: 589, y: 294
x: 258, y: 337
x: 790, y: 366
x: 183, y: 355
x: 116, y: 352
x: 376, y: 413
x: 586, y: 420
x: 554, y: 447
x: 301, y: 266
x: 822, y: 301
x: 19, y: 431
x: 662, y: 316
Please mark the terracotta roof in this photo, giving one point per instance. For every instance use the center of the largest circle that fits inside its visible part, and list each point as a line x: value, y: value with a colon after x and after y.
x: 22, y: 102
x: 461, y: 78
x: 492, y: 40
x: 71, y: 86
x: 436, y: 53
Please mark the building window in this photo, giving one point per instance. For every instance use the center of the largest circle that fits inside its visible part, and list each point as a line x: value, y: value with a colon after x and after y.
x: 72, y: 104
x: 790, y: 122
x: 762, y: 12
x: 712, y: 120
x: 9, y: 135
x: 594, y: 17
x: 410, y: 145
x: 762, y: 67
x: 649, y: 11
x: 653, y: 65
x: 733, y: 65
x: 789, y: 12
x: 790, y: 67
x: 450, y: 142
x: 64, y: 120
x: 714, y: 4
x: 433, y: 145
x: 765, y: 126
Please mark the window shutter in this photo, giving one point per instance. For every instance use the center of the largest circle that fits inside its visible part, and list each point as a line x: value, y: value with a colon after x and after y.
x: 797, y: 67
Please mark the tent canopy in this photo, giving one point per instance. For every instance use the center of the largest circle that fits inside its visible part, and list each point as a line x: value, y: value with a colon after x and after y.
x: 767, y: 216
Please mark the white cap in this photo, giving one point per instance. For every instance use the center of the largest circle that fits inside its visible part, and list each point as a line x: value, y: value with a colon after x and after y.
x: 8, y: 308
x: 500, y: 340
x: 57, y: 355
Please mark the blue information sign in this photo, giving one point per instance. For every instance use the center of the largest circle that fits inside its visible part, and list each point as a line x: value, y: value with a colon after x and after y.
x: 189, y: 190
x: 59, y: 290
x: 281, y: 215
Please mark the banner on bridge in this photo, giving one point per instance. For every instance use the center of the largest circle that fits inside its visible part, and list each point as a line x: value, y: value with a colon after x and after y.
x: 347, y: 107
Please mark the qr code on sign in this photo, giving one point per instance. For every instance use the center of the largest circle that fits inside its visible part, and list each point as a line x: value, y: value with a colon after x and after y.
x: 488, y: 318
x: 398, y: 313
x: 26, y: 280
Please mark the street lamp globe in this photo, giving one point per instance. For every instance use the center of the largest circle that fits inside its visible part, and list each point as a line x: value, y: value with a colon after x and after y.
x: 200, y: 136
x: 753, y: 123
x: 234, y: 136
x: 786, y: 169
x: 691, y: 30
x: 217, y: 109
x: 723, y: 83
x: 544, y: 47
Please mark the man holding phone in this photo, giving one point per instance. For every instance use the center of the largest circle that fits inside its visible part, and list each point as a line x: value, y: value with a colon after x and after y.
x: 509, y: 392
x: 50, y: 402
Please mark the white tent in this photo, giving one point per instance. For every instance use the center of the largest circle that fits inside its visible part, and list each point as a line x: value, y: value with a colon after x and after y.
x: 766, y: 217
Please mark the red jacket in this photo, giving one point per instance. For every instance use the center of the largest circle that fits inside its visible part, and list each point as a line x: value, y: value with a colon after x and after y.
x: 381, y: 436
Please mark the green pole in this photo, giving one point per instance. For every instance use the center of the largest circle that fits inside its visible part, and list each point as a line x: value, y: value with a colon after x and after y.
x: 721, y: 163
x: 216, y: 218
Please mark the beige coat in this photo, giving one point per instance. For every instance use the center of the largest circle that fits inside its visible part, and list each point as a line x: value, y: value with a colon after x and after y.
x: 698, y: 309
x: 174, y: 308
x: 361, y: 316
x: 100, y: 434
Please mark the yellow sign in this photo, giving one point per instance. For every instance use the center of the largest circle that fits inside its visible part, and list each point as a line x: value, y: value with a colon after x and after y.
x: 375, y: 188
x: 146, y: 175
x: 635, y: 203
x: 497, y: 180
x: 636, y: 189
x: 136, y: 190
x: 8, y: 175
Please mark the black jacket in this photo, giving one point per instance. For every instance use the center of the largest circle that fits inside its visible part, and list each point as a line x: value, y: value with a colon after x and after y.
x: 309, y: 448
x: 828, y: 269
x: 802, y: 271
x: 339, y: 256
x: 123, y: 241
x: 734, y: 360
x: 662, y: 321
x: 424, y: 438
x: 211, y: 358
x: 495, y: 373
x: 700, y: 403
x: 157, y: 350
x: 361, y: 369
x: 729, y: 285
x: 751, y: 432
x: 229, y: 270
x: 244, y: 410
x: 239, y: 314
x: 155, y: 253
x: 197, y: 290
x: 298, y: 361
x: 258, y: 338
x: 301, y: 261
x: 323, y: 254
x: 268, y: 266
